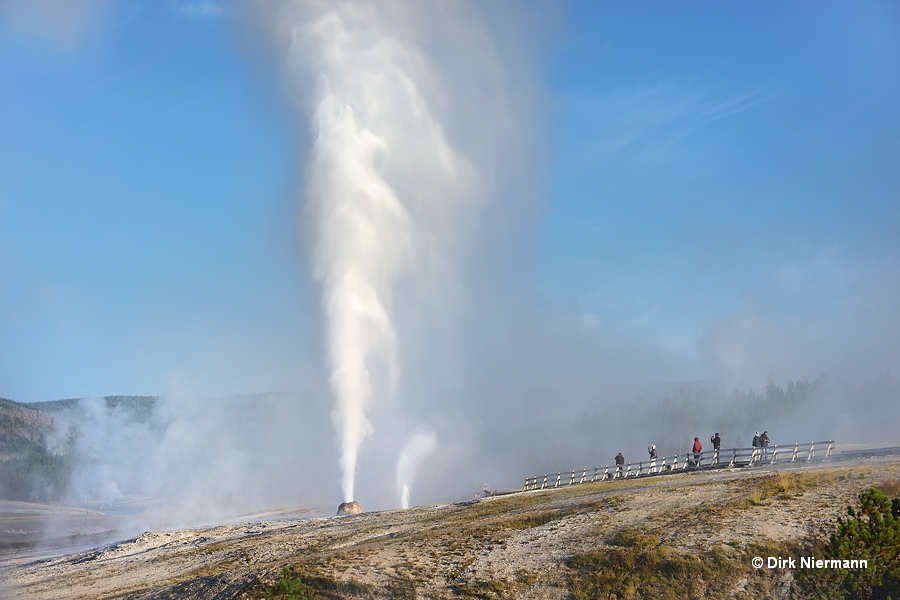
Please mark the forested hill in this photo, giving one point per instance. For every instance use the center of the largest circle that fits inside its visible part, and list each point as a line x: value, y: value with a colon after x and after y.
x: 28, y: 470
x: 138, y: 404
x: 22, y: 428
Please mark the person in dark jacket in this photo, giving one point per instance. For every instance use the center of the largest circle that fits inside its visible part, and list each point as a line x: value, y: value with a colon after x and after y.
x: 698, y: 448
x: 620, y: 462
x: 716, y: 442
x: 653, y: 457
x: 756, y: 441
x: 764, y: 443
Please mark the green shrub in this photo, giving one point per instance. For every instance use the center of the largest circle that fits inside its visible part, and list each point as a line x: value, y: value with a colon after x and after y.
x: 871, y: 533
x: 302, y: 584
x: 289, y: 587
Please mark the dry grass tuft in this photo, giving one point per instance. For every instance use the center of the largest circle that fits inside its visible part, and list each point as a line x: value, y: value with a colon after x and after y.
x: 637, y: 566
x: 890, y: 488
x: 784, y: 486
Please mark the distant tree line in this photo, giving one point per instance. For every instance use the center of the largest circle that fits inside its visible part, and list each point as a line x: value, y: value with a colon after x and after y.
x: 671, y: 415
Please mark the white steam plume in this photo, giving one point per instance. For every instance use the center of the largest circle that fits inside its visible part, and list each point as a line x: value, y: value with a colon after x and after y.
x: 416, y: 450
x: 383, y: 186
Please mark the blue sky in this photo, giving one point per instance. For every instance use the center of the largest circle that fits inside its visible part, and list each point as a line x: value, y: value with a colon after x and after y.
x: 720, y: 162
x: 723, y: 190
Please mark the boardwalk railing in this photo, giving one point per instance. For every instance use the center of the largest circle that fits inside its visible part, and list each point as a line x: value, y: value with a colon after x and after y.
x: 708, y: 459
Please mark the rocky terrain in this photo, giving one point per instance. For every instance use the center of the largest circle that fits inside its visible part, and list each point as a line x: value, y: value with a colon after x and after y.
x: 543, y: 544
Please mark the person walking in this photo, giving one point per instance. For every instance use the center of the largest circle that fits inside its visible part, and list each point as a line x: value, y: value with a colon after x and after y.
x: 620, y: 462
x: 698, y: 448
x: 653, y: 456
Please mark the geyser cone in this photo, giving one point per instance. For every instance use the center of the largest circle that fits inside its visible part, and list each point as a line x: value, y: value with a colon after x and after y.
x: 349, y: 508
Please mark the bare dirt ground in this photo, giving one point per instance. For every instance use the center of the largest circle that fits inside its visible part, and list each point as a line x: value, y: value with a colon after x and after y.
x: 514, y: 546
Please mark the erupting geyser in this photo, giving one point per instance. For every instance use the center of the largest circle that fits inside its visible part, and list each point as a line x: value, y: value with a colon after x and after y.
x: 415, y: 451
x: 383, y: 187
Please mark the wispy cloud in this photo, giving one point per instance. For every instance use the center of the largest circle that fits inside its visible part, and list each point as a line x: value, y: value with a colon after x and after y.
x: 63, y: 23
x: 656, y: 118
x: 198, y: 8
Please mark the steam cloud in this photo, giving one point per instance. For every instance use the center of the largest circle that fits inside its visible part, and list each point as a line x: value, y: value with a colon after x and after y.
x: 383, y: 186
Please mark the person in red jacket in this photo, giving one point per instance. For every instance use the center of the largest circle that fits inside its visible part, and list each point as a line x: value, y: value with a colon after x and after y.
x: 698, y: 448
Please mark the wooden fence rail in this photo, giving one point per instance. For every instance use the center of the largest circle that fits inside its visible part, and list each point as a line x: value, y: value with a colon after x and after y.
x: 708, y: 459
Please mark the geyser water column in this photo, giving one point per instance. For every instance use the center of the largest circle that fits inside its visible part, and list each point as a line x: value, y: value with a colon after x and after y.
x: 415, y: 451
x: 383, y: 187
